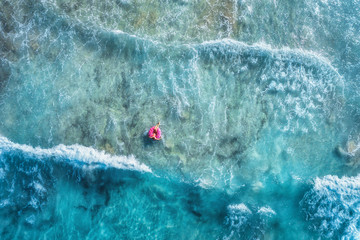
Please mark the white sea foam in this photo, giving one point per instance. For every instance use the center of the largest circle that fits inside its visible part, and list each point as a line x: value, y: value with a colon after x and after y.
x: 4, y: 203
x: 238, y: 216
x: 134, y: 37
x: 266, y: 211
x: 276, y: 53
x: 246, y: 224
x: 39, y: 188
x: 333, y: 206
x: 31, y: 219
x: 77, y: 154
x: 2, y: 173
x: 239, y: 208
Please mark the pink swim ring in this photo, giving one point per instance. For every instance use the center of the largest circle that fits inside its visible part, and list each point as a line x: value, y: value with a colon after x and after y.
x: 156, y: 131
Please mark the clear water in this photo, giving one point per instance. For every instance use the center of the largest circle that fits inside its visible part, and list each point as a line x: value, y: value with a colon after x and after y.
x: 259, y: 104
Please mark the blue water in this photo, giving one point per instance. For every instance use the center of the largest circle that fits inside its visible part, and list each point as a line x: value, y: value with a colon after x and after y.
x: 259, y: 105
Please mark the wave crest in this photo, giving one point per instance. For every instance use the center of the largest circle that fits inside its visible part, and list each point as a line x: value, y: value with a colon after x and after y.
x: 332, y: 206
x: 76, y: 154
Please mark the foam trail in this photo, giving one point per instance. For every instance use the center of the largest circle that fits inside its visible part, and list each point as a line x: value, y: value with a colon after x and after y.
x: 76, y: 154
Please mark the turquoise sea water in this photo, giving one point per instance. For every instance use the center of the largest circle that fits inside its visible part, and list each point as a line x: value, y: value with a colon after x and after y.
x: 259, y: 103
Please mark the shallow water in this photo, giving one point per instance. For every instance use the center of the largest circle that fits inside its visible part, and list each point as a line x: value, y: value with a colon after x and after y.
x: 259, y: 110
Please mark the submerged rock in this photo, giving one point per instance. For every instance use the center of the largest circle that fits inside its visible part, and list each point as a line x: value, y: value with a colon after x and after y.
x: 352, y: 147
x: 257, y: 186
x: 351, y: 152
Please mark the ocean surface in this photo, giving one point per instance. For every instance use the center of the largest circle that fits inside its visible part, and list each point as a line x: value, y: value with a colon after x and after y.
x: 259, y: 104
